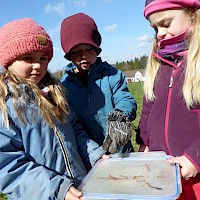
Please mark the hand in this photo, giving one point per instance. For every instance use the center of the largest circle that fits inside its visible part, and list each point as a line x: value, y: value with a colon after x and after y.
x: 118, y: 131
x: 143, y: 148
x: 105, y: 156
x: 188, y: 170
x: 73, y: 194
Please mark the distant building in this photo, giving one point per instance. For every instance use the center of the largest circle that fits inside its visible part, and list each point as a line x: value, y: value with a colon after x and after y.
x: 134, y: 75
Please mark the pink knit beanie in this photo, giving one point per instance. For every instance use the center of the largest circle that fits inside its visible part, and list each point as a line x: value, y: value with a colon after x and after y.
x: 152, y: 6
x: 21, y: 37
x: 79, y: 29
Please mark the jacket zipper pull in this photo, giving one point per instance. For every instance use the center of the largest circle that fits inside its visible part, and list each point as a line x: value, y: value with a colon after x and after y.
x: 172, y: 78
x: 172, y: 75
x: 171, y: 81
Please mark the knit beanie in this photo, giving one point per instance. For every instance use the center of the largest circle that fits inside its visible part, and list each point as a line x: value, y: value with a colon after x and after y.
x: 21, y: 37
x: 152, y: 6
x: 79, y: 29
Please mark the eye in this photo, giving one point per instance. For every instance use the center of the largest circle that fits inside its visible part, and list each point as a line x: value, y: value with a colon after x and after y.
x: 166, y: 24
x: 28, y: 58
x: 44, y: 58
x: 89, y: 49
x: 75, y: 54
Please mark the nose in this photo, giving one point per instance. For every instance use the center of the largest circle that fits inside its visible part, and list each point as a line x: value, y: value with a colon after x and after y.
x: 36, y: 65
x: 83, y: 53
x: 161, y: 33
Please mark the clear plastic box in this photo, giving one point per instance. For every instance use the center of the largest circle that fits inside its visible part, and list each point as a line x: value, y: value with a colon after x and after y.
x: 133, y: 176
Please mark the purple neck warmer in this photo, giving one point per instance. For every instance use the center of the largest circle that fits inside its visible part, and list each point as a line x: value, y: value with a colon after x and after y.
x: 174, y: 47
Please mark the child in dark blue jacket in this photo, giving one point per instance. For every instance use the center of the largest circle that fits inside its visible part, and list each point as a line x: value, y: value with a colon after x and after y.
x: 97, y: 91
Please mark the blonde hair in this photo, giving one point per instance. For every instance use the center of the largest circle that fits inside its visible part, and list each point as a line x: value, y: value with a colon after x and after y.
x: 54, y: 107
x: 191, y: 85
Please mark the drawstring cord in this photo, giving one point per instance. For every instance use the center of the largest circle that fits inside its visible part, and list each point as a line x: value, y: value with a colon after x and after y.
x: 60, y: 140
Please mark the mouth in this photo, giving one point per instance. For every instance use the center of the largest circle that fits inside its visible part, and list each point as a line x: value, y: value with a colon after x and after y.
x: 84, y: 62
x: 35, y: 78
x: 35, y: 75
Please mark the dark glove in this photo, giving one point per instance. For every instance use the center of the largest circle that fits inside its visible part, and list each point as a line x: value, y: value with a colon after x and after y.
x: 118, y: 131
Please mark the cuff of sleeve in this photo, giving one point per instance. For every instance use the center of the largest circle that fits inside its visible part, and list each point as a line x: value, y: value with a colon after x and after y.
x: 96, y: 154
x: 189, y: 157
x: 64, y: 187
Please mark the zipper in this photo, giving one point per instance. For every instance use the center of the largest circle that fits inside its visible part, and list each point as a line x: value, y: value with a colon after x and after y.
x: 174, y: 72
x: 66, y: 159
x: 176, y: 68
x: 172, y: 78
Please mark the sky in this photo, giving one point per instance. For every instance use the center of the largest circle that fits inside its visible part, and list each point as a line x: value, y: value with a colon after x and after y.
x: 125, y: 32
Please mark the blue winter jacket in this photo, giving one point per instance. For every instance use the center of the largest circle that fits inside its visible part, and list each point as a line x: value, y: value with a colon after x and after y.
x: 32, y: 165
x: 106, y: 90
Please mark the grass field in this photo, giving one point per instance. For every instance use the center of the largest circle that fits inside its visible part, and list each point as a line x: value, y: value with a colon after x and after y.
x: 136, y: 90
x: 2, y: 197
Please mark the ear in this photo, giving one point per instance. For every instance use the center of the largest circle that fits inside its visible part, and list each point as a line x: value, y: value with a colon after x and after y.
x: 193, y: 13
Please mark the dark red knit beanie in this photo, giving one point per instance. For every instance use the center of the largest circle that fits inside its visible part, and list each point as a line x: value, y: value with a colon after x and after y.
x: 79, y: 29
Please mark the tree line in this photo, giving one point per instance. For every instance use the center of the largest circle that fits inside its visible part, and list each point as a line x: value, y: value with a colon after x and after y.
x: 137, y: 63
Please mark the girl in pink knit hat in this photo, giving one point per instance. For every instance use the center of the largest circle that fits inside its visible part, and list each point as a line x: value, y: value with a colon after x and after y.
x: 40, y: 139
x: 170, y: 119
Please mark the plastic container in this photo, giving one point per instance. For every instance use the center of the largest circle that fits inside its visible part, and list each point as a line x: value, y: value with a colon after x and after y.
x: 133, y: 176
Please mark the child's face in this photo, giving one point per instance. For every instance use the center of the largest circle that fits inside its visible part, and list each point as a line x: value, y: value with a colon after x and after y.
x: 170, y: 23
x: 32, y: 66
x: 83, y: 56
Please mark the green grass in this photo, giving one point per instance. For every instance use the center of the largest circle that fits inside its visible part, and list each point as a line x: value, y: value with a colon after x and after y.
x: 136, y: 90
x: 2, y: 197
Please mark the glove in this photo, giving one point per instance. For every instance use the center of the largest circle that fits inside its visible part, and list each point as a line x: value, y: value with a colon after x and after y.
x: 118, y: 131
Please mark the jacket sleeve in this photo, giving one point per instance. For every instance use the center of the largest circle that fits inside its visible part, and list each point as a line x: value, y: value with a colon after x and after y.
x: 192, y: 152
x: 122, y: 98
x: 22, y: 176
x: 144, y: 121
x: 88, y: 149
